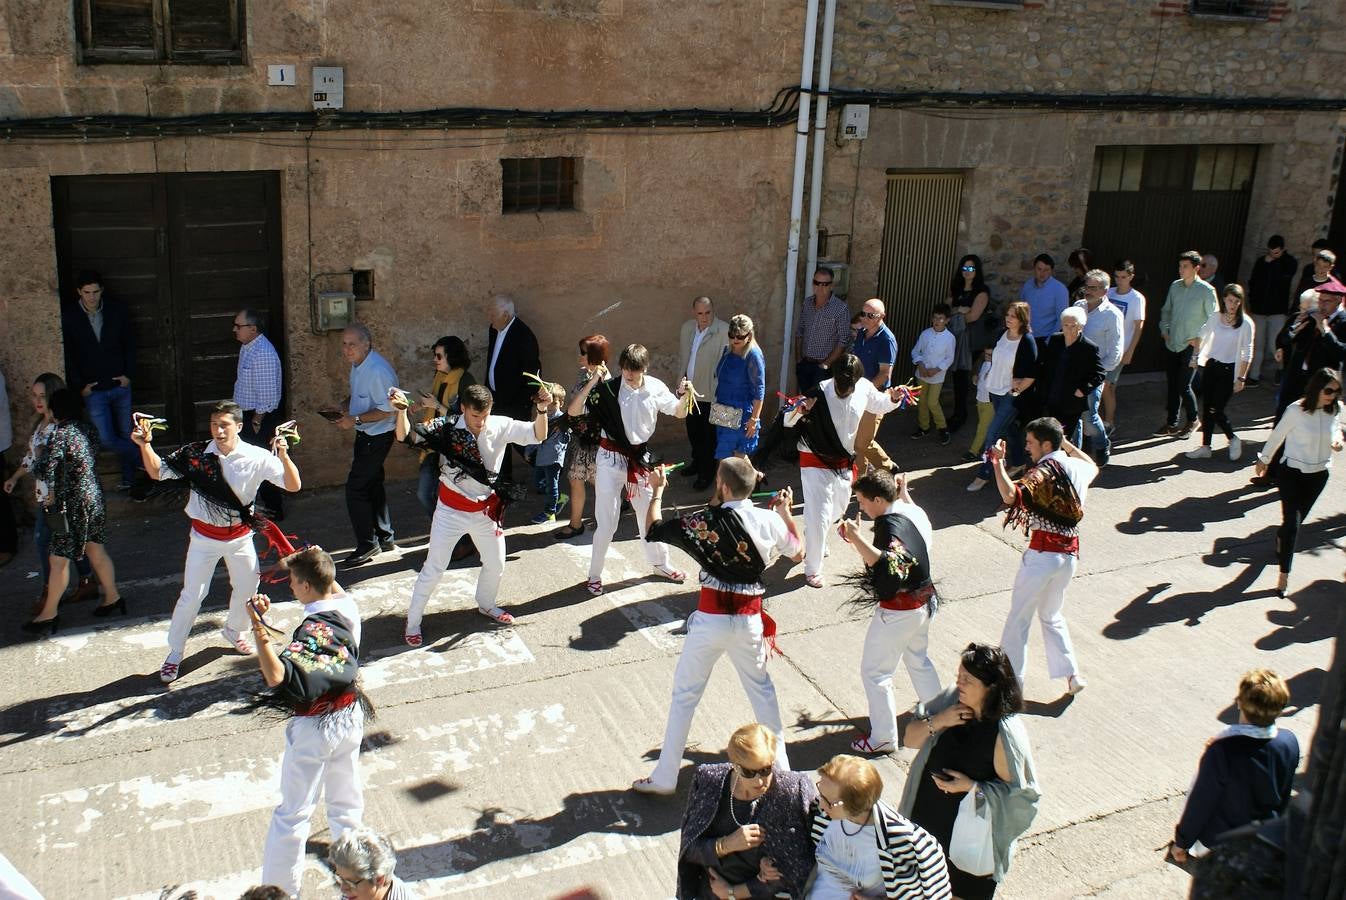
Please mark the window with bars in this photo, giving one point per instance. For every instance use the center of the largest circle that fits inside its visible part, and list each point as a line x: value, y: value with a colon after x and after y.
x: 1241, y: 9
x: 537, y: 184
x: 159, y: 31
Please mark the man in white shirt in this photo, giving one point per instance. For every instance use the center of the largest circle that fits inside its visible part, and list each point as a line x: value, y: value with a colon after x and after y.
x: 472, y: 495
x: 1132, y: 304
x: 224, y: 476
x: 626, y: 410
x: 729, y: 617
x: 1105, y: 325
x: 704, y: 340
x: 1048, y: 503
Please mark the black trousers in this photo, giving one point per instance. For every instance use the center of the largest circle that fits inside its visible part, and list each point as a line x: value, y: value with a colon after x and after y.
x: 809, y: 374
x: 269, y: 495
x: 1217, y: 388
x: 1299, y: 491
x: 701, y: 437
x: 366, y: 499
x: 1178, y: 370
x: 9, y: 532
x: 962, y: 381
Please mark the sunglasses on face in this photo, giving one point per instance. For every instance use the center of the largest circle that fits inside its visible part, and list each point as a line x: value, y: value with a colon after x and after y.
x: 969, y: 268
x: 821, y: 283
x: 873, y: 315
x: 1331, y: 391
x: 753, y: 773
x: 737, y: 337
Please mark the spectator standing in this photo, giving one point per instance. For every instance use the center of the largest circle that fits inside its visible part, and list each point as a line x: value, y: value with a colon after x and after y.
x: 702, y: 343
x: 823, y: 333
x: 1190, y: 302
x: 369, y: 412
x: 1080, y: 261
x: 740, y: 384
x: 876, y: 348
x: 1313, y: 340
x: 550, y: 456
x: 1132, y: 304
x: 1046, y: 298
x: 363, y: 863
x: 1269, y: 302
x: 9, y: 532
x: 985, y: 411
x: 582, y: 460
x: 99, y: 359
x: 973, y: 325
x: 1010, y: 385
x: 451, y: 361
x: 1321, y: 266
x: 1068, y: 371
x: 1210, y: 272
x: 1226, y: 353
x: 932, y: 357
x: 1105, y: 325
x: 1247, y: 770
x: 257, y: 391
x: 511, y: 356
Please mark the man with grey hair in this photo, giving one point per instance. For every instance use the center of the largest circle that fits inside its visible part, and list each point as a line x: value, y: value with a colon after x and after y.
x: 1210, y: 267
x: 363, y: 855
x: 703, y: 342
x: 370, y: 413
x: 257, y: 391
x: 1104, y: 325
x: 511, y: 355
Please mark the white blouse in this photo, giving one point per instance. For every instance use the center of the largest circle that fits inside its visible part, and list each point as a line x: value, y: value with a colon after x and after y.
x: 1001, y: 378
x: 37, y: 448
x: 1226, y: 343
x: 1307, y: 438
x: 847, y: 862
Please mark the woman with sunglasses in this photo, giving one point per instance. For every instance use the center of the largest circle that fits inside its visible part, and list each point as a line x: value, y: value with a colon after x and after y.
x: 969, y: 298
x: 970, y: 739
x: 362, y: 862
x: 1307, y: 435
x: 740, y: 384
x: 864, y: 847
x: 746, y: 830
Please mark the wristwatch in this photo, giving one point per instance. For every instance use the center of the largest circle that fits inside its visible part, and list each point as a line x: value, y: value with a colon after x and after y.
x: 358, y: 421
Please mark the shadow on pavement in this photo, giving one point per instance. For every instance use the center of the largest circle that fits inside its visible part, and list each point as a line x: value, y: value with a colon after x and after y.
x: 1314, y: 618
x: 1193, y: 513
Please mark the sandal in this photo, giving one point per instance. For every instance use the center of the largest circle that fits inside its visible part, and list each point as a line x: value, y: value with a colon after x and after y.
x: 497, y: 614
x: 596, y: 586
x: 862, y: 745
x: 413, y: 640
x: 813, y: 581
x: 671, y: 574
x: 568, y: 532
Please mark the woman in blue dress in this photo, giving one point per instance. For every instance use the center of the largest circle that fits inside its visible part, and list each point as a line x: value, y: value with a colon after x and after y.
x: 741, y: 385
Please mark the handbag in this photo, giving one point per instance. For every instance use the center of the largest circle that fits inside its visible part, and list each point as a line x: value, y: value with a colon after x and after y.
x: 58, y: 523
x: 971, y: 847
x: 726, y: 416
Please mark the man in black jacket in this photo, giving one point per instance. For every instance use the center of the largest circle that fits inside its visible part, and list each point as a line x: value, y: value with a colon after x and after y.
x: 99, y: 357
x: 511, y: 351
x: 1069, y: 369
x: 1269, y: 300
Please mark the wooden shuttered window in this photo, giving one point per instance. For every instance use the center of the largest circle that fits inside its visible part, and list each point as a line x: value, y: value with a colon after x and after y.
x: 158, y: 31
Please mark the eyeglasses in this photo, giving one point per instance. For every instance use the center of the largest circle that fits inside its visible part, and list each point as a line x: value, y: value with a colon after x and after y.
x: 969, y: 268
x: 237, y: 326
x: 817, y: 283
x: 753, y: 773
x: 348, y: 884
x: 1331, y: 391
x: 872, y: 315
x: 823, y: 797
x: 1095, y: 287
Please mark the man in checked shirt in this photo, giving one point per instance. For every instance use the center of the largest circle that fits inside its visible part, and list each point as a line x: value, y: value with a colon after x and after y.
x: 257, y: 390
x: 823, y: 334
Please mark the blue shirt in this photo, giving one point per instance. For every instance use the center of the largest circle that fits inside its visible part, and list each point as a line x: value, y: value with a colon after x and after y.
x: 370, y: 381
x: 879, y: 350
x: 1046, y: 304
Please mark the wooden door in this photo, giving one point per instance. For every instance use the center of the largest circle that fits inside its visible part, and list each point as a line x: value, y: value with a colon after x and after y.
x: 184, y: 252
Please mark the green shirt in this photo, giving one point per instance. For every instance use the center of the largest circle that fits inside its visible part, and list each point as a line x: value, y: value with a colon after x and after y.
x: 1185, y: 310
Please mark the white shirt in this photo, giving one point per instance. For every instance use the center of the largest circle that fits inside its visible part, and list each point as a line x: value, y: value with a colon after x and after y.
x: 918, y: 518
x: 934, y: 350
x: 847, y: 862
x: 846, y: 411
x: 1225, y: 343
x: 244, y: 471
x: 697, y: 336
x: 769, y: 535
x: 495, y: 353
x: 342, y: 604
x: 1132, y: 305
x: 496, y: 435
x: 1307, y: 438
x: 1079, y: 472
x: 984, y: 382
x: 640, y: 409
x: 1000, y: 380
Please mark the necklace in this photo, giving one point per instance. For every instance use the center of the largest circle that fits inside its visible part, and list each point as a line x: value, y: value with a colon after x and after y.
x: 858, y: 829
x: 752, y: 805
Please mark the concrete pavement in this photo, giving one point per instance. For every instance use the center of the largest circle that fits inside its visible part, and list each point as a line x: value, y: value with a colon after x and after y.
x: 500, y: 758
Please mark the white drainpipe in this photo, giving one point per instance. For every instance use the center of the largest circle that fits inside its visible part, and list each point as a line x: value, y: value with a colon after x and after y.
x: 797, y: 189
x: 820, y: 135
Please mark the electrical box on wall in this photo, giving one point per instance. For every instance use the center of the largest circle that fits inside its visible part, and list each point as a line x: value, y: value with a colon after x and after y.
x: 854, y: 122
x: 841, y: 277
x: 336, y: 309
x: 329, y: 87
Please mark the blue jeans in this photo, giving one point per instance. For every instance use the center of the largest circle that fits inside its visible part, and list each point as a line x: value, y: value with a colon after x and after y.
x: 1098, y: 441
x: 110, y: 412
x: 1004, y: 424
x: 427, y: 484
x: 550, y: 479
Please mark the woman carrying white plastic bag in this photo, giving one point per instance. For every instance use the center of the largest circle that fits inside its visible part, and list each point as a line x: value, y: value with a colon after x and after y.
x: 972, y: 845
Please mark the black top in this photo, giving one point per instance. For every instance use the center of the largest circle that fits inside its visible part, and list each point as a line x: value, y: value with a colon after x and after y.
x: 967, y: 748
x: 1241, y: 779
x: 1269, y: 285
x: 737, y: 868
x: 1307, y: 282
x: 1066, y: 369
x: 97, y: 360
x: 519, y: 354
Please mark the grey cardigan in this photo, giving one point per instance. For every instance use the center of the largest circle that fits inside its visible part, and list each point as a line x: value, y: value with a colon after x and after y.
x: 1013, y: 803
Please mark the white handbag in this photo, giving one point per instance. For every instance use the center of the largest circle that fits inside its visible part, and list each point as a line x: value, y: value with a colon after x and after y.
x: 971, y: 847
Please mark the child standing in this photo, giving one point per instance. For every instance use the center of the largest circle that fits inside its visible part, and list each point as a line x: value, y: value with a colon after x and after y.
x: 985, y: 411
x: 550, y: 453
x: 933, y: 354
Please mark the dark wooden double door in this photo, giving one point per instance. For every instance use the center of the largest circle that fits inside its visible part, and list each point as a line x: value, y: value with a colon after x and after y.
x: 184, y: 252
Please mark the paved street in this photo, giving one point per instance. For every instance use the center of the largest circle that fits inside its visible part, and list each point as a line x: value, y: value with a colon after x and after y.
x: 500, y: 758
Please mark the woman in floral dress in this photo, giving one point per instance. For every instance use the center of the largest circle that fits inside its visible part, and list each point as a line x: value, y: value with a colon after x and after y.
x: 73, y: 489
x: 583, y: 454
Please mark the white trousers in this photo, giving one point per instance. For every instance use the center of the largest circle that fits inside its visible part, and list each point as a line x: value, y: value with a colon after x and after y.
x: 446, y: 528
x: 895, y: 635
x: 826, y: 494
x: 319, y: 759
x: 609, y: 482
x: 1040, y: 590
x: 203, y: 554
x: 709, y: 636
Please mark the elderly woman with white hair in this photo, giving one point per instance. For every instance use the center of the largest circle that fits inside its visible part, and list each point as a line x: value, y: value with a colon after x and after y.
x: 362, y: 862
x: 1068, y: 370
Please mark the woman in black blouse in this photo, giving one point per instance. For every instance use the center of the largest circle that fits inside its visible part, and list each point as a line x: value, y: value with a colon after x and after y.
x: 968, y: 298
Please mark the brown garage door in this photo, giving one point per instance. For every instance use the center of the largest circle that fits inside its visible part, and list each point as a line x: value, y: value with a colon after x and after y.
x: 184, y: 252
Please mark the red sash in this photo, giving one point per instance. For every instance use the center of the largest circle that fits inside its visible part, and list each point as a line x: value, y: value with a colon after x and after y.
x: 727, y: 603
x: 632, y: 469
x: 908, y: 600
x: 324, y: 705
x: 216, y: 533
x: 809, y: 460
x: 1051, y: 542
x: 454, y: 500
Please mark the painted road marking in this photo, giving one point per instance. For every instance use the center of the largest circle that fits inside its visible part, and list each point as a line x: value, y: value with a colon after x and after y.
x: 653, y: 621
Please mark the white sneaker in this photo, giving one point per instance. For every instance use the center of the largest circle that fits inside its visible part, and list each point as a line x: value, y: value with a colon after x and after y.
x: 976, y: 485
x: 1202, y: 452
x: 1075, y: 684
x: 1235, y: 448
